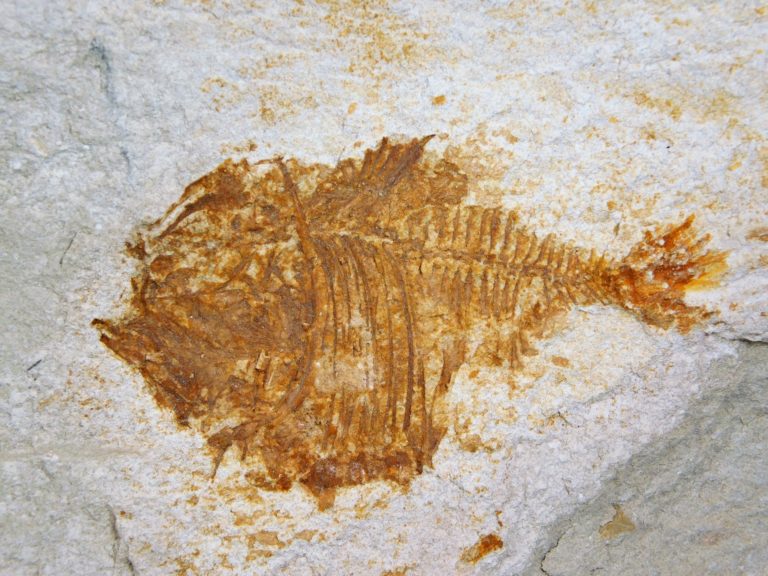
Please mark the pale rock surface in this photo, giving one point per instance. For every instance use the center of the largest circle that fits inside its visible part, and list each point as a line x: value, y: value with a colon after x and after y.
x: 696, y: 497
x: 593, y: 120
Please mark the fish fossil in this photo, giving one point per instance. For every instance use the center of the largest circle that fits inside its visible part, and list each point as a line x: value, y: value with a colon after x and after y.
x: 313, y: 317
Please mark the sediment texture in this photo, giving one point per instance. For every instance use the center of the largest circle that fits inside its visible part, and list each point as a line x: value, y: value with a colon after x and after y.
x: 625, y: 367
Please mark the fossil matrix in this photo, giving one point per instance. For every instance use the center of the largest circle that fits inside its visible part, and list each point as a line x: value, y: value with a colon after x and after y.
x: 312, y: 318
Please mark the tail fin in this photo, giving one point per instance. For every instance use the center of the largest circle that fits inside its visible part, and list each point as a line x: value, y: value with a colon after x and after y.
x: 653, y: 278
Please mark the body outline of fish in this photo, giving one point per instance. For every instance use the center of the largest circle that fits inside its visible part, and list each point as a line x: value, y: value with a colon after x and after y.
x: 380, y: 276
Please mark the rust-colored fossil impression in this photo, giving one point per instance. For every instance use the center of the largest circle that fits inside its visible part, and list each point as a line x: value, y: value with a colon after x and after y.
x: 312, y: 317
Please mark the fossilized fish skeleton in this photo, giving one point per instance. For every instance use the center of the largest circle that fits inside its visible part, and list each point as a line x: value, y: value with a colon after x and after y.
x: 314, y: 317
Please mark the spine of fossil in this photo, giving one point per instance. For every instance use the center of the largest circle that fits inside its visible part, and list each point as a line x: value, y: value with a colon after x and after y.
x: 482, y: 261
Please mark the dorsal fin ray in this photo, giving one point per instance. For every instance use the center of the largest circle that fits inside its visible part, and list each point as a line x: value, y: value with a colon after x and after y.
x: 355, y: 190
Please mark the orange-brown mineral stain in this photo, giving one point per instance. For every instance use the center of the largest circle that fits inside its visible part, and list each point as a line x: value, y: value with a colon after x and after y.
x: 760, y: 234
x: 267, y: 538
x: 396, y: 572
x: 665, y: 105
x: 485, y: 545
x: 763, y: 157
x: 619, y: 524
x: 306, y: 535
x: 310, y: 319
